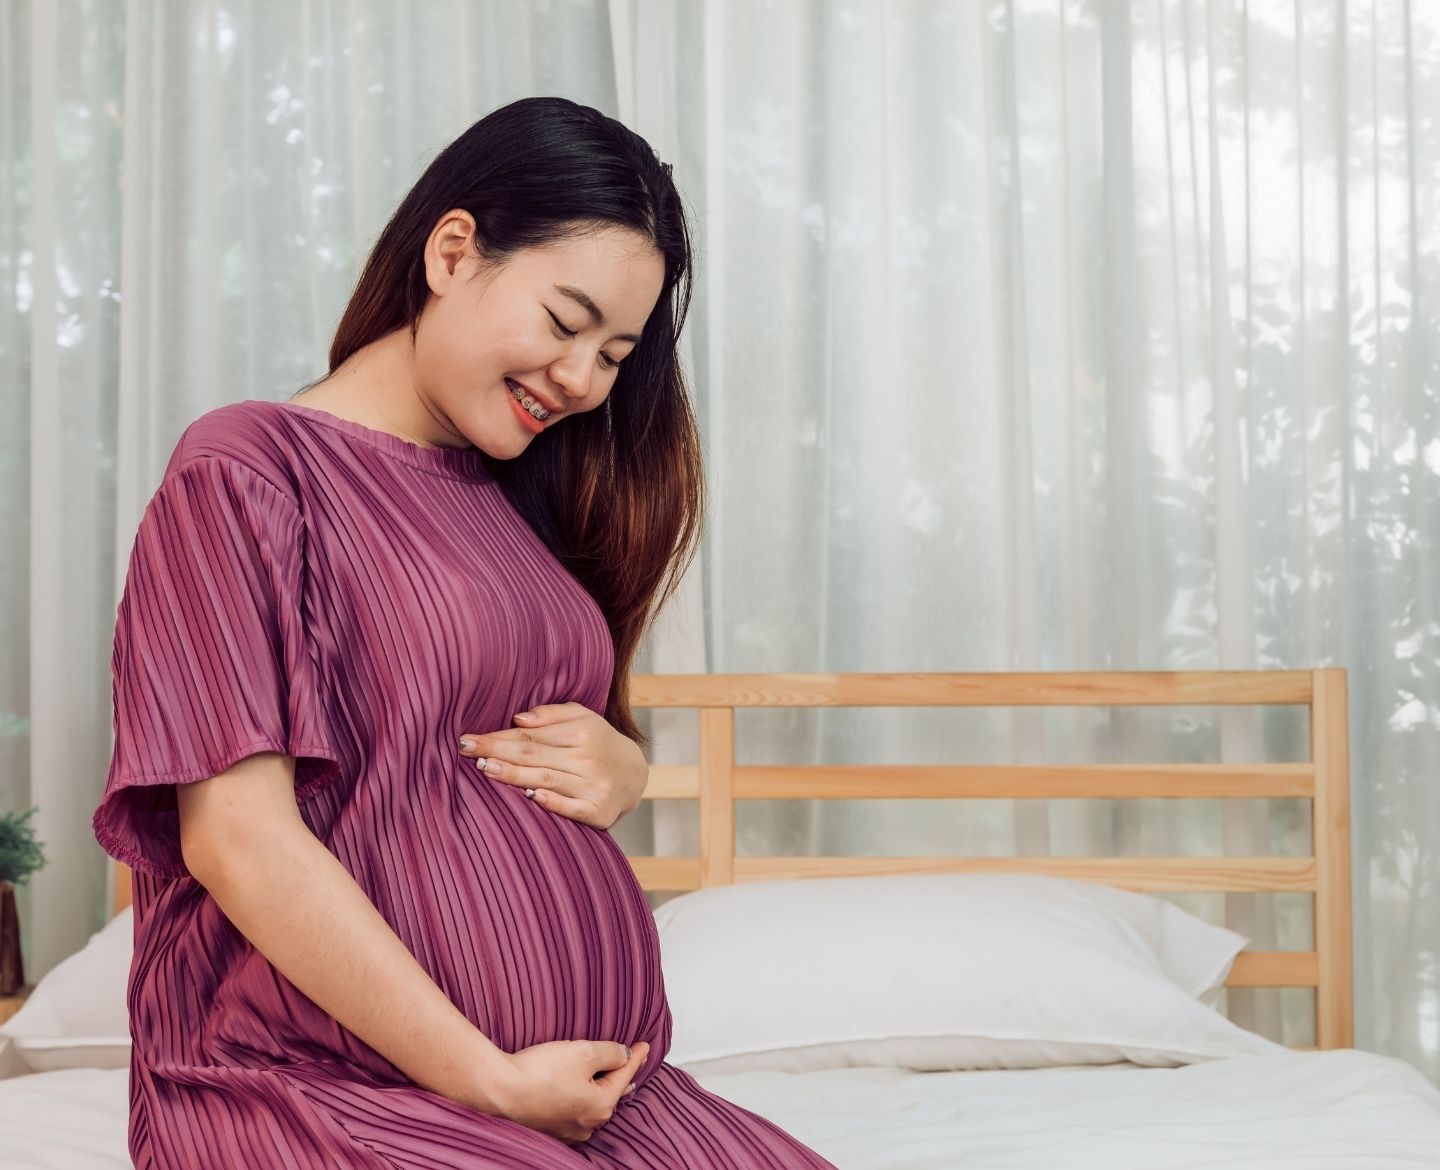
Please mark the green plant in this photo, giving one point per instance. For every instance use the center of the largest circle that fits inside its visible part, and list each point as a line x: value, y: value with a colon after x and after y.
x: 20, y: 853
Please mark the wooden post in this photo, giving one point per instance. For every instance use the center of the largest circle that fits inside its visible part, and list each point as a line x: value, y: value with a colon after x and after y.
x: 1330, y: 752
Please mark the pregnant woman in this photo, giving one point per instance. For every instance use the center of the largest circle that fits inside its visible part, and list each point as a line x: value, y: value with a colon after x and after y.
x: 353, y: 947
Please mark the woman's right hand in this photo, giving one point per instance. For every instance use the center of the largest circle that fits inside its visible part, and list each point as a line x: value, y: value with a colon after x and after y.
x: 568, y: 1088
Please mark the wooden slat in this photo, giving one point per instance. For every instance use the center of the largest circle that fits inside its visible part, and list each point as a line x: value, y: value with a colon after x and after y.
x: 122, y: 886
x: 997, y: 781
x: 717, y: 797
x: 1330, y: 751
x: 672, y: 782
x: 667, y: 873
x: 1233, y: 874
x: 1274, y: 969
x: 940, y: 689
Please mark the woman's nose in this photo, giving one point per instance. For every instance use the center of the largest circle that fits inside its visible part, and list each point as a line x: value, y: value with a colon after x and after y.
x: 572, y: 381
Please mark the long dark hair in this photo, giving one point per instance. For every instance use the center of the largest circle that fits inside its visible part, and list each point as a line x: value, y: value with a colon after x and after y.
x: 616, y: 493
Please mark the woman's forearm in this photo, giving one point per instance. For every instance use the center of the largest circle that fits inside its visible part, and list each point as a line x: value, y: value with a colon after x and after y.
x: 304, y: 912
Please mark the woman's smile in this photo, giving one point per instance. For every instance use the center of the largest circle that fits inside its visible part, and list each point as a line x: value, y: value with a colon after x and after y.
x: 528, y: 400
x: 527, y: 420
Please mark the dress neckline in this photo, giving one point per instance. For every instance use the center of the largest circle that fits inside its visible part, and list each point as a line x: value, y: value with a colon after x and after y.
x: 466, y: 462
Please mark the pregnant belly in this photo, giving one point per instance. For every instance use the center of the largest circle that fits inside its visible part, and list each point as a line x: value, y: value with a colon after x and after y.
x: 535, y: 924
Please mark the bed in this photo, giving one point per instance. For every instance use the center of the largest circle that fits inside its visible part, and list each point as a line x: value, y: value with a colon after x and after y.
x: 797, y: 981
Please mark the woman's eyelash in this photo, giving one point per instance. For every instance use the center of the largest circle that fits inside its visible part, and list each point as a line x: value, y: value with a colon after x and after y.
x: 610, y: 363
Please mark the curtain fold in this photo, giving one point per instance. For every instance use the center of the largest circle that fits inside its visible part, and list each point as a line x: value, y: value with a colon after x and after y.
x: 1026, y: 336
x: 644, y: 50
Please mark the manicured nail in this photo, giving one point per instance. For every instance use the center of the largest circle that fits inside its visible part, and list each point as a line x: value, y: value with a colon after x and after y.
x: 529, y: 794
x: 482, y: 763
x: 525, y: 715
x: 467, y: 745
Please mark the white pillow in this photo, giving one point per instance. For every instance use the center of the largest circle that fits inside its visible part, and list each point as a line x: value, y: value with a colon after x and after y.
x: 939, y: 972
x: 77, y: 1016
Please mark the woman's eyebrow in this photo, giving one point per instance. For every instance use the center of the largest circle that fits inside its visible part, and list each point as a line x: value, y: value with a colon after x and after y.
x: 580, y: 298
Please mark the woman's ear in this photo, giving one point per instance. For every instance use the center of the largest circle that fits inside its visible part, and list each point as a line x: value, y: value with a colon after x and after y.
x: 447, y: 247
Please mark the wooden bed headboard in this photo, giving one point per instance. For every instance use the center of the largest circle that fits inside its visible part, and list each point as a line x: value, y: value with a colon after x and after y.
x: 717, y: 782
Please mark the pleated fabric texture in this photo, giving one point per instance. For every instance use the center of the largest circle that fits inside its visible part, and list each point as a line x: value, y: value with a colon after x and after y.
x: 301, y: 583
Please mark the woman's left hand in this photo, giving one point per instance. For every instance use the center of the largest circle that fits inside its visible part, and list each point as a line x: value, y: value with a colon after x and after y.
x: 576, y: 763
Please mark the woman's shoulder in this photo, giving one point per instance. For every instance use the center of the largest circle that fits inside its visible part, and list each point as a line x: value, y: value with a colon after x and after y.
x: 255, y: 435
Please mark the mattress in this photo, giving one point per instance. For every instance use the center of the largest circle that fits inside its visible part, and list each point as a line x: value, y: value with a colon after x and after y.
x: 1343, y: 1109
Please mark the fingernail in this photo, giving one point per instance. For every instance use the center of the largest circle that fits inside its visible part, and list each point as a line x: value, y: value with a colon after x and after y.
x: 529, y: 794
x: 467, y: 745
x: 525, y: 715
x: 481, y: 762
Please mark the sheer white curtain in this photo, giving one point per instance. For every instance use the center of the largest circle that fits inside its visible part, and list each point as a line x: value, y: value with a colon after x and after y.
x: 1026, y: 337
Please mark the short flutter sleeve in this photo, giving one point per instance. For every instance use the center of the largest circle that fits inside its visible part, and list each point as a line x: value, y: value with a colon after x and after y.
x: 211, y: 660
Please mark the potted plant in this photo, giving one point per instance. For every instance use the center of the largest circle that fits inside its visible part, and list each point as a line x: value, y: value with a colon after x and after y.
x: 20, y: 856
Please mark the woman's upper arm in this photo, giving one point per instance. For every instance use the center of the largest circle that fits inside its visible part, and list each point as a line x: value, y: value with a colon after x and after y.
x: 237, y: 807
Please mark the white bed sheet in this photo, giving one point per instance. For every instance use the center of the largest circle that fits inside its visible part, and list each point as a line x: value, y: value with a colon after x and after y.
x: 1338, y: 1110
x: 1343, y: 1109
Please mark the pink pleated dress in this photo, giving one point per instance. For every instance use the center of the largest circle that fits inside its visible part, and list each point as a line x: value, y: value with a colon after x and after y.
x: 304, y: 584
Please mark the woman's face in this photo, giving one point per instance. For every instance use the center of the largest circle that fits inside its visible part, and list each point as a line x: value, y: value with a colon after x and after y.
x: 525, y: 328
